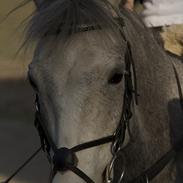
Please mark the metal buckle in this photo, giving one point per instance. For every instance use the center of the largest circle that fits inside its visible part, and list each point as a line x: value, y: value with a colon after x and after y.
x: 114, y: 147
x: 110, y: 167
x: 109, y: 170
x: 147, y: 179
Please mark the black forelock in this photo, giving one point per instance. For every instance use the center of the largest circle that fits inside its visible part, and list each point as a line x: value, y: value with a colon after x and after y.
x: 63, y: 17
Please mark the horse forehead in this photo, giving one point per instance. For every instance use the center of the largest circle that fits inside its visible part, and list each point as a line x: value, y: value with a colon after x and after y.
x: 83, y: 50
x: 90, y: 49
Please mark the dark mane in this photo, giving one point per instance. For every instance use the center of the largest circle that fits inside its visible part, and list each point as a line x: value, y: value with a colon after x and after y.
x: 64, y: 17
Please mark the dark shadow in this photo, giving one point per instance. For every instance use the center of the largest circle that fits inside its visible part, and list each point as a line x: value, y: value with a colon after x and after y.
x: 17, y: 100
x: 176, y: 132
x: 176, y: 57
x: 18, y: 137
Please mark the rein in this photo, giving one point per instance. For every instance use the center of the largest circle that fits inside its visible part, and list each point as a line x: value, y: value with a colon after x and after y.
x: 65, y: 159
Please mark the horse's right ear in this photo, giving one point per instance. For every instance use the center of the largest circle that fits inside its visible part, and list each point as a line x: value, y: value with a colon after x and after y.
x: 38, y: 3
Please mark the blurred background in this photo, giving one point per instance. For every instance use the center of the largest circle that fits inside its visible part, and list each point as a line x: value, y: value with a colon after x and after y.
x: 18, y: 138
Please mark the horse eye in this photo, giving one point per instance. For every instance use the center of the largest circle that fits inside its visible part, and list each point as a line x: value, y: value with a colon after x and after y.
x: 116, y: 78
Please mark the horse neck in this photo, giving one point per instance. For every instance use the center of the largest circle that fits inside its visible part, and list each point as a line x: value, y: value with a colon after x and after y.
x: 153, y: 83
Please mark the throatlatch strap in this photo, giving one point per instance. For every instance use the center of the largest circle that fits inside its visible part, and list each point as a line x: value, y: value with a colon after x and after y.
x: 153, y: 171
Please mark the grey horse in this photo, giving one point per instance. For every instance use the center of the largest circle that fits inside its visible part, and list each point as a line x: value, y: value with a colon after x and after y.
x: 78, y: 74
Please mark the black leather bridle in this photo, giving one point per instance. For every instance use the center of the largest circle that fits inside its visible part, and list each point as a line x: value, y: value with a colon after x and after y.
x: 64, y: 159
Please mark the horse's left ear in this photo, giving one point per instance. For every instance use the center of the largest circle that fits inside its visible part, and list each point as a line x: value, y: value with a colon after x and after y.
x: 38, y: 3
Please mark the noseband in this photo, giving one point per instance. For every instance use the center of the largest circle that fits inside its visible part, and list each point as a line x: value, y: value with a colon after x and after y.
x: 64, y: 159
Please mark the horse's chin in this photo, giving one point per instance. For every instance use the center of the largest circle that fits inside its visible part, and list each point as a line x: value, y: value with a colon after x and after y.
x: 67, y: 177
x: 70, y: 177
x: 92, y: 162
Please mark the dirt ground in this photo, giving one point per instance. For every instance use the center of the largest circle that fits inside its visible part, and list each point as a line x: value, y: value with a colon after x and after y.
x: 18, y: 138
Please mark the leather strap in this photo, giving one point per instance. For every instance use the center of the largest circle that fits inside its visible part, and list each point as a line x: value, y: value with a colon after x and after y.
x: 64, y: 163
x: 73, y: 166
x: 93, y: 143
x: 154, y: 170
